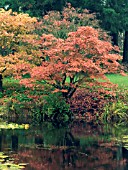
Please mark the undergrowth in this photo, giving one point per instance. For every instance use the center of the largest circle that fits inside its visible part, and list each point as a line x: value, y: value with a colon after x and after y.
x: 88, y: 103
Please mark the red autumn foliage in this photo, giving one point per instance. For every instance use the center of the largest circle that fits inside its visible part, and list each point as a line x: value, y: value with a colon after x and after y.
x: 82, y: 57
x: 88, y: 105
x: 61, y: 23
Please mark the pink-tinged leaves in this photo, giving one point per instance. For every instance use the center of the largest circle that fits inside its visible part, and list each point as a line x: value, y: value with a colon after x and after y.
x: 81, y: 55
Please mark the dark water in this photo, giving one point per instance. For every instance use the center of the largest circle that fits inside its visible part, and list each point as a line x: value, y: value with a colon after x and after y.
x: 80, y: 146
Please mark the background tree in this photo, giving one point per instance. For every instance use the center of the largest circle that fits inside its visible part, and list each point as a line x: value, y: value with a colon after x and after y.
x: 33, y: 7
x: 15, y: 30
x: 113, y: 14
x: 61, y: 23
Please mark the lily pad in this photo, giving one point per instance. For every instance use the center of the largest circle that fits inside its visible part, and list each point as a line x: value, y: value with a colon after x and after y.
x: 5, y: 125
x: 9, y: 164
x: 125, y: 137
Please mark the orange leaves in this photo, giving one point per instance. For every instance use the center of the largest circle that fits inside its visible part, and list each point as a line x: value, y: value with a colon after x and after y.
x: 61, y: 23
x: 27, y: 82
x: 58, y: 90
x: 64, y: 56
x: 82, y: 48
x: 16, y: 39
x: 13, y: 22
x: 82, y: 54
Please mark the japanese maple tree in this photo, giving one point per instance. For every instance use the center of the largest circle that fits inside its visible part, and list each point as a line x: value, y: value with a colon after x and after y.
x: 61, y: 23
x: 67, y: 63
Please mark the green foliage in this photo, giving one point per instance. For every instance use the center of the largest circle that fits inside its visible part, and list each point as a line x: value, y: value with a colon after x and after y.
x: 1, y: 94
x: 33, y: 7
x: 116, y: 112
x: 114, y: 18
x: 56, y: 109
x: 19, y: 105
x: 110, y: 13
x: 53, y: 135
x: 23, y: 98
x: 39, y: 105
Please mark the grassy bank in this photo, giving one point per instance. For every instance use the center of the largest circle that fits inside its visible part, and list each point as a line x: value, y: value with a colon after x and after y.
x: 122, y: 81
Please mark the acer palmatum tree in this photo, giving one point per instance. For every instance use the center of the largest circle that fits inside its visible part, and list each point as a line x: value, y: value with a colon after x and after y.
x: 61, y: 23
x: 69, y: 63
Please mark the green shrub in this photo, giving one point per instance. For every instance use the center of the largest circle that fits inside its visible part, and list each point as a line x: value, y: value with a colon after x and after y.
x: 1, y: 94
x: 51, y: 107
x: 115, y: 112
x: 56, y: 109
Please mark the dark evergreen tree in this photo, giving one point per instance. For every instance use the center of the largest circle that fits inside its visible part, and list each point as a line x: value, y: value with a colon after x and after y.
x: 114, y: 18
x: 34, y: 7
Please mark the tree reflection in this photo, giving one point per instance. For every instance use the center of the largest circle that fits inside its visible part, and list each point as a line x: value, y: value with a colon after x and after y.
x: 14, y: 142
x: 0, y: 143
x: 56, y: 148
x: 58, y: 136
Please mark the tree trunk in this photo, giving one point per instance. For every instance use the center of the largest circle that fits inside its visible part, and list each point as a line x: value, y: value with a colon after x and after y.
x: 125, y: 48
x: 114, y: 38
x: 69, y: 94
x: 1, y: 86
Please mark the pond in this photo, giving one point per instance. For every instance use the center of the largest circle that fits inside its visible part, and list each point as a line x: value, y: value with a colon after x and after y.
x: 80, y: 146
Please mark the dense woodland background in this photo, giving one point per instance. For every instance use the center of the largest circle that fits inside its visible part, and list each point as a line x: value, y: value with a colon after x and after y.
x: 113, y: 15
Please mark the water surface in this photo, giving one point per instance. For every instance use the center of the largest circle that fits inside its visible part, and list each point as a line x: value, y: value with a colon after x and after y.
x: 79, y: 146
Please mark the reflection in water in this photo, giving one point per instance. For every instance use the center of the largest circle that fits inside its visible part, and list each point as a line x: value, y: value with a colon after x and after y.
x: 82, y: 146
x: 14, y: 142
x: 0, y: 143
x: 39, y: 140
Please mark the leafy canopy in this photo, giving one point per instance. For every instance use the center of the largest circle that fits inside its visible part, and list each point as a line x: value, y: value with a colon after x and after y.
x: 83, y: 55
x: 63, y: 62
x: 15, y: 30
